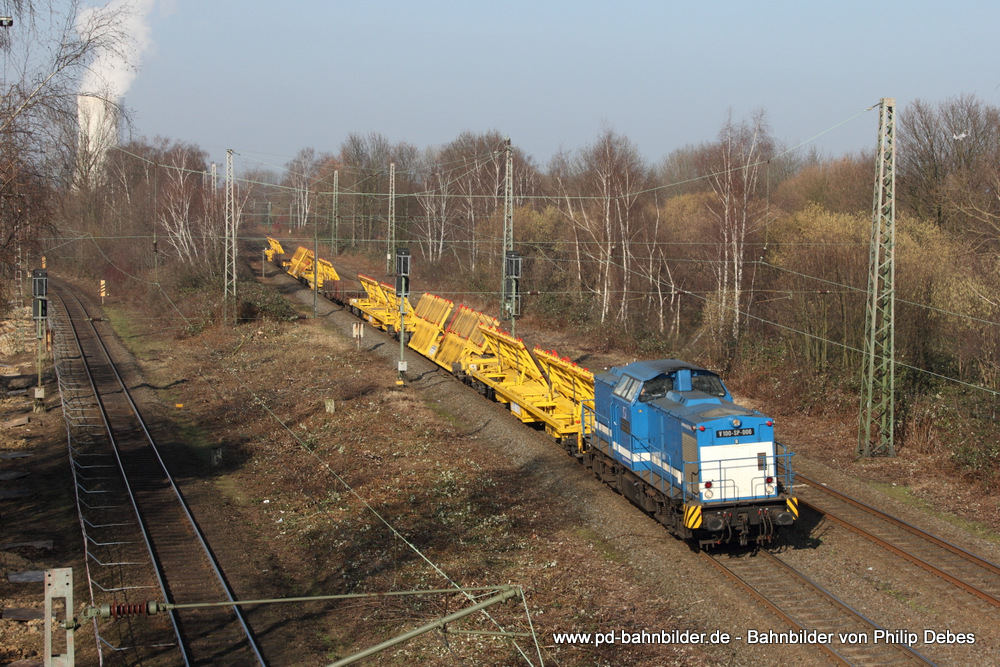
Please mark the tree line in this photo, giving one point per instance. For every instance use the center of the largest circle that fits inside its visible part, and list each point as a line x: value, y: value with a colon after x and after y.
x: 734, y: 250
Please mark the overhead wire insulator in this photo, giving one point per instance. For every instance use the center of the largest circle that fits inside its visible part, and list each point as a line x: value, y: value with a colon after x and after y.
x: 147, y: 608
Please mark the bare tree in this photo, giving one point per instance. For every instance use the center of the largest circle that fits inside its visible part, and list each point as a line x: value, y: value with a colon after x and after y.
x: 474, y: 167
x: 46, y: 52
x: 942, y: 150
x: 303, y: 171
x: 840, y: 185
x: 192, y: 230
x: 433, y: 197
x: 601, y: 191
x: 366, y: 162
x: 734, y: 166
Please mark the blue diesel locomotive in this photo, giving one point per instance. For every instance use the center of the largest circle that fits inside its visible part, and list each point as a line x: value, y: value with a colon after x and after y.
x: 667, y: 435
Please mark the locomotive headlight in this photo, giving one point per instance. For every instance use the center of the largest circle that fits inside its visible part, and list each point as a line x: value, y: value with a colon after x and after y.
x: 769, y: 488
x: 708, y: 494
x: 737, y: 423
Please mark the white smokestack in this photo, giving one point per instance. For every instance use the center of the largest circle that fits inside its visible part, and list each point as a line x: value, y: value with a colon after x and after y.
x: 106, y: 80
x: 115, y: 65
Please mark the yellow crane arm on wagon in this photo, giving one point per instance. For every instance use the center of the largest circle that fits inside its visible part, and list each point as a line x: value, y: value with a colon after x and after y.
x: 538, y: 386
x: 274, y: 249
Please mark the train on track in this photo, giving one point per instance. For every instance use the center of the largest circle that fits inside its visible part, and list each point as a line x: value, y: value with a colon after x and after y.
x: 665, y: 434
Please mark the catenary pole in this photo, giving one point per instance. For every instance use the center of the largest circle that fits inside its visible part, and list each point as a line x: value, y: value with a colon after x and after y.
x: 506, y: 296
x: 391, y: 234
x: 876, y: 427
x: 334, y: 212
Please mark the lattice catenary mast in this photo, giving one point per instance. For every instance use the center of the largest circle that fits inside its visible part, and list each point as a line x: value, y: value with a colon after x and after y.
x: 390, y: 236
x: 875, y: 433
x: 334, y: 212
x: 508, y: 297
x: 230, y: 292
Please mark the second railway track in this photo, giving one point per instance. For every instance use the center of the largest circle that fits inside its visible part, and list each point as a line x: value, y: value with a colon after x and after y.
x: 965, y: 570
x: 186, y: 568
x: 809, y: 608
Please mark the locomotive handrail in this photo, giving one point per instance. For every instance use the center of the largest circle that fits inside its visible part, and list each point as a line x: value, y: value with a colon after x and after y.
x: 734, y: 463
x: 643, y: 445
x: 586, y: 424
x: 785, y: 466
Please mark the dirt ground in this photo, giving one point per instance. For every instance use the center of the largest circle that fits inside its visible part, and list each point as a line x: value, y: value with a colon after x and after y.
x: 38, y: 523
x: 312, y: 473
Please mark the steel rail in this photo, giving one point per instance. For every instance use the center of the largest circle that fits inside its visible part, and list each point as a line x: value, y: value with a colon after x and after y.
x: 169, y: 478
x: 789, y: 572
x: 110, y: 433
x: 769, y: 604
x: 910, y: 528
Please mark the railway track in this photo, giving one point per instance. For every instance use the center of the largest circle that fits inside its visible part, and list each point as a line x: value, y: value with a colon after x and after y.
x: 187, y: 572
x: 970, y: 573
x: 848, y: 637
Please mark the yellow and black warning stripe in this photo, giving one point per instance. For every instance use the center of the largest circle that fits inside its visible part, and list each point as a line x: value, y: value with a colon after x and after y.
x: 793, y: 506
x: 692, y: 516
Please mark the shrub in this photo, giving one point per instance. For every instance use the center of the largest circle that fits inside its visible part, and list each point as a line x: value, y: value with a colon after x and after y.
x: 257, y: 302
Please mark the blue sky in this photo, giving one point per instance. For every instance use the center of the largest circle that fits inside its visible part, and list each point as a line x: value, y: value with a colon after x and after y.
x: 268, y: 79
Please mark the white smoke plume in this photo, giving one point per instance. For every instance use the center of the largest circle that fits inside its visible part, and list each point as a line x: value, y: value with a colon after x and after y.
x: 115, y: 65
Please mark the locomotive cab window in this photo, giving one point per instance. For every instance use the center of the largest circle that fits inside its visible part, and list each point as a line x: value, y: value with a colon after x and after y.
x: 627, y: 388
x: 709, y: 384
x: 656, y: 388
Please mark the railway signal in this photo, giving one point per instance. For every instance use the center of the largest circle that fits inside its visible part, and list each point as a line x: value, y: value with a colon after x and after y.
x: 40, y: 313
x: 39, y: 283
x: 512, y: 283
x: 402, y: 291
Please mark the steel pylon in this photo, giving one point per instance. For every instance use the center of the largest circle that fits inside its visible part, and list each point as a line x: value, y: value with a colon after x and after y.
x: 390, y: 236
x: 875, y: 435
x: 230, y: 252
